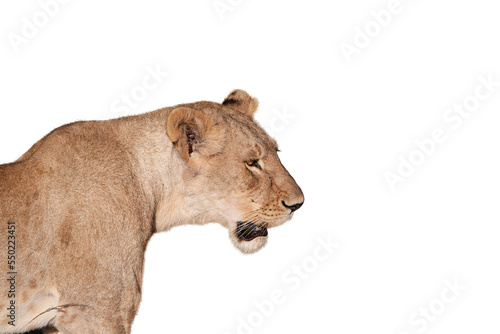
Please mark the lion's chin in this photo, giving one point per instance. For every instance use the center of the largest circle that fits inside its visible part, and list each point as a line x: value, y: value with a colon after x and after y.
x: 247, y: 247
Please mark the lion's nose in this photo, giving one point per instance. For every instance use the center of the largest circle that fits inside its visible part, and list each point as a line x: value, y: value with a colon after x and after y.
x: 293, y: 207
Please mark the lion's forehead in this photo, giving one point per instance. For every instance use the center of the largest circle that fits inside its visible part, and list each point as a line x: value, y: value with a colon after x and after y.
x: 244, y: 129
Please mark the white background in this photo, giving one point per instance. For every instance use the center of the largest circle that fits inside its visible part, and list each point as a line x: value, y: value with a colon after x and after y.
x: 349, y: 123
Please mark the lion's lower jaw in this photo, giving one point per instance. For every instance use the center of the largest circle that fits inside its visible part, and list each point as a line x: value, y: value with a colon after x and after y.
x: 248, y: 247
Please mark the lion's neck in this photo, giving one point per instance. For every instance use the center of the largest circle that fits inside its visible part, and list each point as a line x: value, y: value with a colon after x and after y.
x: 160, y: 171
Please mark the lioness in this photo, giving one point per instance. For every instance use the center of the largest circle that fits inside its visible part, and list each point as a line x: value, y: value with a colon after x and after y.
x: 78, y: 209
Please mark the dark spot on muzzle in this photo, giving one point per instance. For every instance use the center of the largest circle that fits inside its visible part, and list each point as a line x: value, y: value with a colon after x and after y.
x: 249, y: 231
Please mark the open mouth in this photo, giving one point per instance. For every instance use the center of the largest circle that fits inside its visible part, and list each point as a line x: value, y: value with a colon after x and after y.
x: 249, y: 231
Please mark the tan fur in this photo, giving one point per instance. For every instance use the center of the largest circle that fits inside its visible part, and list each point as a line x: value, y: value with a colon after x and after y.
x: 87, y: 198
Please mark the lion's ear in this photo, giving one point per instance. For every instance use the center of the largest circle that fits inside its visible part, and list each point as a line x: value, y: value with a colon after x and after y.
x: 193, y: 131
x: 240, y: 100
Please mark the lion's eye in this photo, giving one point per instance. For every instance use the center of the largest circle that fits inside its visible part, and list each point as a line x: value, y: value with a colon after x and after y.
x: 254, y: 163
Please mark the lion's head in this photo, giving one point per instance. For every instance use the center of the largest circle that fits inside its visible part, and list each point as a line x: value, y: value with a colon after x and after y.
x: 231, y: 170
